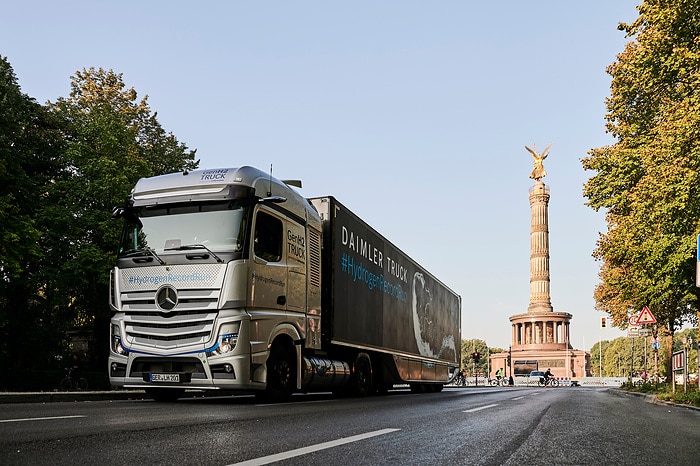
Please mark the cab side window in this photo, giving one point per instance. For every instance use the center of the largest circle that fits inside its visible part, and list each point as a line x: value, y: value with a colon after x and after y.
x: 268, y: 237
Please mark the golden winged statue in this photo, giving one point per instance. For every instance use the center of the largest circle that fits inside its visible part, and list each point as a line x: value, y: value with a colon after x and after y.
x: 538, y: 172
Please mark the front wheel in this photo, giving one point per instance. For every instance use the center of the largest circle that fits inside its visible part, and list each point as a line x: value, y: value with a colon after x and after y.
x: 281, y: 374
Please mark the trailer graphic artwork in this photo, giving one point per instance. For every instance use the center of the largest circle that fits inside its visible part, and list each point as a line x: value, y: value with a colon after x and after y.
x: 413, y: 312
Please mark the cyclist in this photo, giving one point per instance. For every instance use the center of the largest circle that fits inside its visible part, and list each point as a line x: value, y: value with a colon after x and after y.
x: 547, y: 375
x: 76, y: 368
x: 499, y: 374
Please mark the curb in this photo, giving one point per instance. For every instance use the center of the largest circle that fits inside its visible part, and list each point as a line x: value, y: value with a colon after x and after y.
x: 51, y: 397
x: 653, y: 399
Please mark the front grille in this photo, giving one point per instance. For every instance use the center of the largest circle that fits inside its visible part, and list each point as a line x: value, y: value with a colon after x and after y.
x: 191, y: 322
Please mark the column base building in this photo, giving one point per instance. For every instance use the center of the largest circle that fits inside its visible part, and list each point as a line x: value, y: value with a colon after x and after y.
x: 540, y: 338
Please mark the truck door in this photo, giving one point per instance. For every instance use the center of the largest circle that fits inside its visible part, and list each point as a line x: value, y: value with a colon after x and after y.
x: 268, y: 279
x: 295, y: 240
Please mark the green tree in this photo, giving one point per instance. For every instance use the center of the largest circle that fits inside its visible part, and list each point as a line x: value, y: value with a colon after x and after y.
x: 648, y: 181
x: 31, y: 147
x: 114, y: 140
x: 617, y: 357
x: 469, y: 347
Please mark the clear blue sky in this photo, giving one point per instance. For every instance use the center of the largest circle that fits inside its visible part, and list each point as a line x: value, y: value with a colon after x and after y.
x: 414, y: 114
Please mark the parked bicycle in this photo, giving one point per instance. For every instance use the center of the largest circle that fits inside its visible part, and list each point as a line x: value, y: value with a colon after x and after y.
x: 71, y: 382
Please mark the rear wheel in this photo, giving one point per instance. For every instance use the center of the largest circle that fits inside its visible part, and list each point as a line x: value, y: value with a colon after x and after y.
x: 362, y: 376
x: 66, y: 384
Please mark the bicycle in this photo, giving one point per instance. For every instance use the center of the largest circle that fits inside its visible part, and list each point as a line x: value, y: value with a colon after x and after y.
x: 503, y: 382
x: 69, y: 382
x: 460, y: 381
x: 551, y: 382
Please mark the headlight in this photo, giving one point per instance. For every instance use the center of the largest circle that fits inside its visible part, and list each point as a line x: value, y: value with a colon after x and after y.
x: 228, y: 337
x: 117, y: 341
x: 226, y: 344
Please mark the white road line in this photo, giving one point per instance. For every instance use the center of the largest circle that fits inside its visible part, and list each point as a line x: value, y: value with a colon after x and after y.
x: 312, y: 448
x: 295, y: 403
x: 517, y: 398
x: 40, y: 418
x: 479, y: 408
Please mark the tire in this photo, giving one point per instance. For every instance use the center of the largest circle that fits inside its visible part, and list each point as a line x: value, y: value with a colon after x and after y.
x: 554, y: 382
x: 362, y: 375
x: 82, y: 384
x: 541, y: 383
x: 281, y: 373
x: 417, y: 388
x: 494, y: 383
x: 165, y: 395
x: 66, y: 384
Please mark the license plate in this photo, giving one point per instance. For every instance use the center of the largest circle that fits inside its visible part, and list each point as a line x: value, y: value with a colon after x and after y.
x: 165, y: 377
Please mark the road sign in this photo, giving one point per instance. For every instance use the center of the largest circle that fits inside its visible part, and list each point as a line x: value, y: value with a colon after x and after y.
x: 644, y: 332
x: 633, y: 320
x: 678, y: 360
x: 633, y: 332
x: 646, y: 317
x: 655, y: 345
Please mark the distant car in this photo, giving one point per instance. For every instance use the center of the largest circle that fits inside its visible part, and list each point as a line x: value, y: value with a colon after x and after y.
x: 535, y: 377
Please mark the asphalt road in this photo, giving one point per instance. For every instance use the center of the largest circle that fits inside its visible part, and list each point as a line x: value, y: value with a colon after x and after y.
x: 511, y: 426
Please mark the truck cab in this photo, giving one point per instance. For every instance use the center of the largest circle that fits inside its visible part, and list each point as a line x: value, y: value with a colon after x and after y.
x: 216, y: 270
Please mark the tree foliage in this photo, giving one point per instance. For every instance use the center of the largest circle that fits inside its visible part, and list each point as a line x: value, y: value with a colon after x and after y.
x: 63, y: 167
x: 31, y: 149
x: 648, y: 181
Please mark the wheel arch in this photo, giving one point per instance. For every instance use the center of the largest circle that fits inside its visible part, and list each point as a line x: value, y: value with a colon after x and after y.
x: 287, y: 336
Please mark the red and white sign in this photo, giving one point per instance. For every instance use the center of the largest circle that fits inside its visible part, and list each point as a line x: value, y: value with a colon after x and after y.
x: 678, y: 360
x: 646, y: 317
x: 633, y: 320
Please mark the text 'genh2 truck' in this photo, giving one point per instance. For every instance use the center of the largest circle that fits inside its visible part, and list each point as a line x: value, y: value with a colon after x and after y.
x: 230, y: 280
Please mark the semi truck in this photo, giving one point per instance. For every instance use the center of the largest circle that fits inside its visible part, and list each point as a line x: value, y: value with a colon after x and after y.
x: 231, y: 280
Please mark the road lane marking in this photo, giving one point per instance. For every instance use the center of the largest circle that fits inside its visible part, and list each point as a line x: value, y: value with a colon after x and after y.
x: 293, y: 403
x: 479, y: 408
x: 312, y: 448
x: 517, y: 398
x: 40, y: 418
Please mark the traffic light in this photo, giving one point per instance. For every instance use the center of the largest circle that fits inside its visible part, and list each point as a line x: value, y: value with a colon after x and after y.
x: 475, y: 356
x: 603, y: 322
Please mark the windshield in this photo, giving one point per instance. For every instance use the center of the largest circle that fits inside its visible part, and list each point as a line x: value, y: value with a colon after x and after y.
x: 213, y: 226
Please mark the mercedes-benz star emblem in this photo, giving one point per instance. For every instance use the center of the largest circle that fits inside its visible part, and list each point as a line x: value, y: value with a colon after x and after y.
x: 166, y: 298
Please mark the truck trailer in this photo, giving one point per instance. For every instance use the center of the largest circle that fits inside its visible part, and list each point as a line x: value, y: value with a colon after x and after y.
x: 231, y: 280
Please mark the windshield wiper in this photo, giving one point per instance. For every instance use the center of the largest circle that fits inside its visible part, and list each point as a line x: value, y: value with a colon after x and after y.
x: 143, y: 252
x: 195, y: 246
